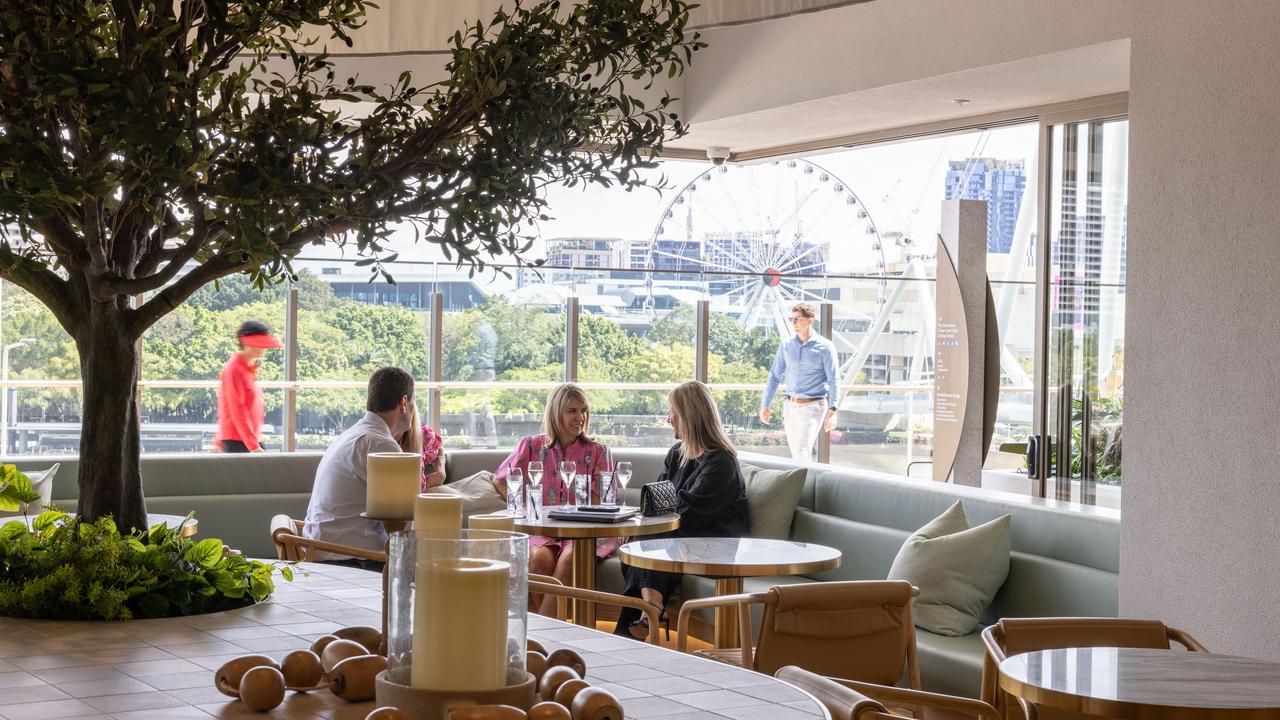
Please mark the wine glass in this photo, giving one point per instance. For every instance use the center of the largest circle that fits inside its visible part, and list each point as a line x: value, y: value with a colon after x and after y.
x: 535, y: 487
x: 623, y: 471
x: 568, y: 469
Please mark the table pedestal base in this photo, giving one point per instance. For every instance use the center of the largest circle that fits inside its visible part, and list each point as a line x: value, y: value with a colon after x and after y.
x: 726, y: 626
x: 584, y: 577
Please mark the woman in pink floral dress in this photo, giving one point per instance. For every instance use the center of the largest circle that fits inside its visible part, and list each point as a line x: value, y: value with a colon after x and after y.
x: 564, y: 437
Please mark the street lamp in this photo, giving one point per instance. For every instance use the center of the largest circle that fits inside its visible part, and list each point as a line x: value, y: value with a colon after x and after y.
x: 4, y: 383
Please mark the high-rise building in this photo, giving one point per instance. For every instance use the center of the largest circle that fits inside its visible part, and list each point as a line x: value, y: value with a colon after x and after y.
x: 1001, y: 184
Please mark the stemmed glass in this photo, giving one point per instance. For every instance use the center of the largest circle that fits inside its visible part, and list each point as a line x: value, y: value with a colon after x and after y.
x: 623, y: 471
x: 568, y: 469
x: 535, y: 488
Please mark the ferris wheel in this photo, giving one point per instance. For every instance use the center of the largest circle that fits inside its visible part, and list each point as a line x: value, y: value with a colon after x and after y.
x: 765, y: 236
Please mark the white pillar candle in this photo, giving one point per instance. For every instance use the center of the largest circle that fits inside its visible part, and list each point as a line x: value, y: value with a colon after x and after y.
x: 393, y: 479
x: 437, y: 513
x: 492, y: 522
x: 460, y: 625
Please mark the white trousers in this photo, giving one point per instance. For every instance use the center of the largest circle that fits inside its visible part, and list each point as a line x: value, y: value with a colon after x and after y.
x: 803, y: 422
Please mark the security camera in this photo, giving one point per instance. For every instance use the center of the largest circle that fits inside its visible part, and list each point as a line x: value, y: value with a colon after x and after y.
x: 718, y: 155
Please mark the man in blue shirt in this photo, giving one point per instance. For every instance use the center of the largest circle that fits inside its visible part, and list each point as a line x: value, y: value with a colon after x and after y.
x: 806, y: 362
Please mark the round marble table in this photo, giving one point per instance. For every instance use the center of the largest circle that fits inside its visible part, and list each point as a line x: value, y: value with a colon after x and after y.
x: 729, y: 560
x: 584, y: 535
x: 1142, y: 684
x: 187, y: 527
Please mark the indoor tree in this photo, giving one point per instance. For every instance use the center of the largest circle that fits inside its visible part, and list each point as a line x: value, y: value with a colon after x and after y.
x: 149, y: 147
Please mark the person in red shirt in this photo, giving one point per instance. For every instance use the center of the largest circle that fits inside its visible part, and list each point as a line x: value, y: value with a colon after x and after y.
x: 239, y: 399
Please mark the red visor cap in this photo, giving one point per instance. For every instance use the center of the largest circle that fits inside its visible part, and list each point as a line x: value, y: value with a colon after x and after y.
x: 263, y: 341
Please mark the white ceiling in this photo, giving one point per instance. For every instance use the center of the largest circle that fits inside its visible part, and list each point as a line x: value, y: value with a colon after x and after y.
x: 1085, y: 72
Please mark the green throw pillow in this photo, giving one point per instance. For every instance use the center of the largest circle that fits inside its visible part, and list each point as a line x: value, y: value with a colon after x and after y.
x: 957, y: 568
x: 771, y: 499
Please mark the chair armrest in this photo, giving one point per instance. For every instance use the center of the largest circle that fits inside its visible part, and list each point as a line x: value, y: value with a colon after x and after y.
x: 687, y: 608
x: 1185, y: 640
x: 559, y: 589
x: 287, y: 539
x: 920, y: 698
x: 547, y: 579
x: 992, y: 656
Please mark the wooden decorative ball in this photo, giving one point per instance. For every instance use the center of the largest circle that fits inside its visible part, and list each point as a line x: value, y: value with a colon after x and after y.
x: 595, y: 703
x: 549, y: 711
x: 565, y: 656
x: 318, y: 646
x: 386, y: 713
x: 302, y: 670
x: 569, y: 690
x: 369, y: 637
x: 227, y: 678
x: 536, y: 663
x: 535, y: 646
x: 352, y: 678
x: 262, y: 688
x: 553, y: 678
x: 339, y: 650
x: 487, y: 712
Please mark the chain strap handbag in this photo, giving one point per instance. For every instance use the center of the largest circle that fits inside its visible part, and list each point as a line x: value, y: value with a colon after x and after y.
x: 658, y: 498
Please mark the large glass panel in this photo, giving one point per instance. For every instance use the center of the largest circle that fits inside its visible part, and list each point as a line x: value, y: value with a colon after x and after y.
x: 36, y: 417
x: 1086, y: 318
x: 191, y: 344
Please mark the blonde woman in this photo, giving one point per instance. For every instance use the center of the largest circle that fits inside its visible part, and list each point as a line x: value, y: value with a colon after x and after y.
x: 710, y: 494
x: 420, y: 439
x: 565, y: 423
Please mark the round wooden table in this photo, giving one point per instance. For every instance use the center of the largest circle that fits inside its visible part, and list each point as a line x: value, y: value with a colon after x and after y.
x: 1141, y: 684
x: 584, y: 535
x: 187, y: 527
x: 729, y: 560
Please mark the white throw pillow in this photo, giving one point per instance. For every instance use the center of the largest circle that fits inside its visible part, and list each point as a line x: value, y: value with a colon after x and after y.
x: 771, y: 499
x: 477, y: 492
x: 958, y: 569
x: 41, y: 482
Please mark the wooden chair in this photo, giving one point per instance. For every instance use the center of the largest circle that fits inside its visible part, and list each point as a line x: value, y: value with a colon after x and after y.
x: 862, y: 629
x: 1011, y: 636
x: 850, y: 700
x: 286, y: 533
x: 547, y: 585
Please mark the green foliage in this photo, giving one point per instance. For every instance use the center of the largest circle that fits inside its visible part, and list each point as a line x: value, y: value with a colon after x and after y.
x: 65, y: 569
x: 15, y: 489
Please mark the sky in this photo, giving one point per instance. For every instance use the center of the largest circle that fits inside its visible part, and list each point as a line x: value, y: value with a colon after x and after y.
x: 900, y: 184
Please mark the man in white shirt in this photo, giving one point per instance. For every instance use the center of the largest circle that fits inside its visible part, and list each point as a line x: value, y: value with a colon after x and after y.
x: 338, y: 498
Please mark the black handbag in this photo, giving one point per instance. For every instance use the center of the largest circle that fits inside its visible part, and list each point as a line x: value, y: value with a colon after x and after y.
x: 658, y: 498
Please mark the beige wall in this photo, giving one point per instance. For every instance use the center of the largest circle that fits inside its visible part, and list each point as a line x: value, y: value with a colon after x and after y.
x: 1200, y: 539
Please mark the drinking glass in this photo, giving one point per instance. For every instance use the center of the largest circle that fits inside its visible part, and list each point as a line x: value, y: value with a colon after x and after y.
x: 623, y: 471
x: 608, y: 489
x: 515, y: 492
x: 535, y: 488
x: 581, y: 490
x: 568, y: 469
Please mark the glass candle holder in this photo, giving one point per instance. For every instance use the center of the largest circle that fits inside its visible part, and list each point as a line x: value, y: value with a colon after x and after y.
x: 457, y: 609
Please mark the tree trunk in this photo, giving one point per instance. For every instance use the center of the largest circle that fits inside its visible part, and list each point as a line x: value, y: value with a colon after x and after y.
x: 110, y: 478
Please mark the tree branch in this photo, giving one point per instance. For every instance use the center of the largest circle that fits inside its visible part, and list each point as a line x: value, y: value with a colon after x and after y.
x: 171, y: 297
x: 43, y: 283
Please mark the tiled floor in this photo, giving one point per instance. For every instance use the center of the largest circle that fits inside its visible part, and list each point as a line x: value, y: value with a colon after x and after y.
x: 163, y: 669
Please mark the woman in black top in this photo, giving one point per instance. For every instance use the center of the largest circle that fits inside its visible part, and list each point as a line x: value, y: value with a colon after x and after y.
x: 710, y: 494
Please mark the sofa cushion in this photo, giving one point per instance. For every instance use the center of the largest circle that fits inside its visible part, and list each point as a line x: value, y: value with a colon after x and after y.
x: 950, y: 665
x: 479, y: 497
x: 957, y: 568
x: 771, y: 499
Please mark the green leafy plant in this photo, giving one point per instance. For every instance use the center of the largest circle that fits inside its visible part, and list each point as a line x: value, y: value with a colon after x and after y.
x: 66, y: 569
x: 16, y: 490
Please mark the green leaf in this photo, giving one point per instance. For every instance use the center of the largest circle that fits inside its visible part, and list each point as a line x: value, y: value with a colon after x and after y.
x: 46, y: 520
x: 206, y: 553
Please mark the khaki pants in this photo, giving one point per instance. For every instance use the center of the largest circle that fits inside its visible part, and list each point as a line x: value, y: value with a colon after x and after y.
x: 803, y: 422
